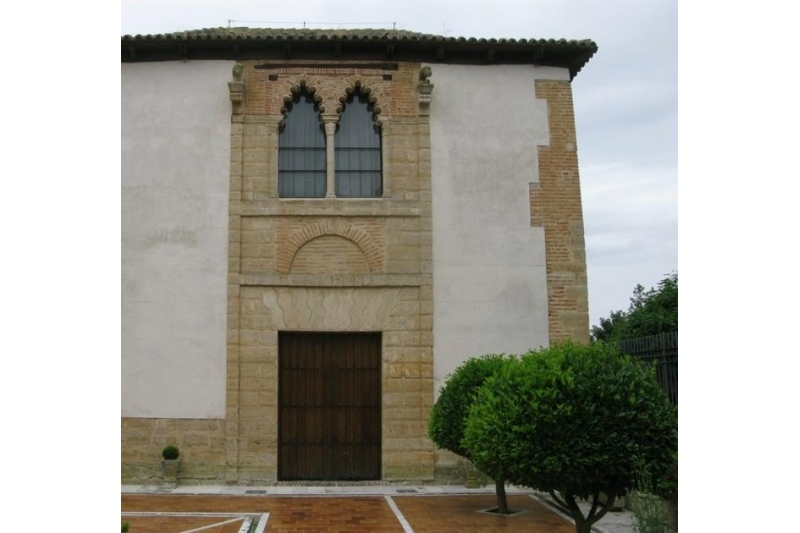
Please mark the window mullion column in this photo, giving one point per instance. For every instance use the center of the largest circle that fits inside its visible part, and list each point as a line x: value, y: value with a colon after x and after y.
x: 330, y: 130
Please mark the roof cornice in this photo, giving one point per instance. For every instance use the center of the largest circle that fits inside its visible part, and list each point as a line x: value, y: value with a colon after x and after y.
x: 394, y: 45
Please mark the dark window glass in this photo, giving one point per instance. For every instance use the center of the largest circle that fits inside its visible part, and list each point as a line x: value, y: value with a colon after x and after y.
x: 358, y: 151
x: 301, y: 151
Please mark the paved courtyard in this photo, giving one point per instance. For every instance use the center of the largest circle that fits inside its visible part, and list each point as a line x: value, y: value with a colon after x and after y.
x: 376, y: 509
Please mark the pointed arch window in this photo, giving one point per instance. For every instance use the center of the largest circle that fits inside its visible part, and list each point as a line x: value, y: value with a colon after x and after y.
x: 301, y: 150
x: 358, y: 150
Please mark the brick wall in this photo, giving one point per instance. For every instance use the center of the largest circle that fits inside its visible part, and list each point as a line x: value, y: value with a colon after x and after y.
x: 556, y: 205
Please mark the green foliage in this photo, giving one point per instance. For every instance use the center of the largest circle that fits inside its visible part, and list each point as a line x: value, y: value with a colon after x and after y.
x: 611, y: 328
x: 648, y: 508
x: 125, y: 527
x: 650, y: 313
x: 667, y: 485
x: 449, y: 413
x: 170, y: 453
x: 570, y: 419
x: 650, y: 513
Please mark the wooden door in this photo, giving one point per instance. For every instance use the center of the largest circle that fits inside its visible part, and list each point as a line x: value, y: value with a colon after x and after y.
x: 329, y: 410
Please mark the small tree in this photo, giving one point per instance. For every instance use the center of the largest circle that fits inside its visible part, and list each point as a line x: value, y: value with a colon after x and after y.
x: 449, y: 413
x: 572, y: 421
x: 650, y: 312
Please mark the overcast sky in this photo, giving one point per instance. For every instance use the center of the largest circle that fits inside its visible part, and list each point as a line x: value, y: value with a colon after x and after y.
x: 626, y: 104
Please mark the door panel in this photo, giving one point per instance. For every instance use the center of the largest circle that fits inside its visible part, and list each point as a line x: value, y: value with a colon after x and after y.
x: 329, y: 406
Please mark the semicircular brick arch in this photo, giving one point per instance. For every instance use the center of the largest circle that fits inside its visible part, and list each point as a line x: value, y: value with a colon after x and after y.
x: 303, y: 236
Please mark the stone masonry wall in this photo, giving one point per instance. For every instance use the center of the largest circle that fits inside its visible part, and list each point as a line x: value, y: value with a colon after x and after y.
x: 201, y: 442
x: 329, y: 264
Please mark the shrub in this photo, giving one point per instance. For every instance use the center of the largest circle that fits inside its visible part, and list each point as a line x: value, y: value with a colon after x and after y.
x: 571, y: 420
x: 651, y: 515
x: 449, y: 413
x: 648, y: 508
x: 125, y: 527
x: 667, y: 485
x: 170, y: 453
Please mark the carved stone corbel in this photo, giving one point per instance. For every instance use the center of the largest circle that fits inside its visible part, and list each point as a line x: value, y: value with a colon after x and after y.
x: 236, y: 88
x: 425, y: 88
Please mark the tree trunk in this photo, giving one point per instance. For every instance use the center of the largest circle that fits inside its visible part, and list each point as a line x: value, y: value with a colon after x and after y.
x: 500, y: 489
x: 583, y: 524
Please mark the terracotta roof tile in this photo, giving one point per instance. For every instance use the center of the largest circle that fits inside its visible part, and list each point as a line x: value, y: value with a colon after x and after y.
x: 572, y: 54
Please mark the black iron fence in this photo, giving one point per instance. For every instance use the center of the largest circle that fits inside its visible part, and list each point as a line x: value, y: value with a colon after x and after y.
x: 663, y: 350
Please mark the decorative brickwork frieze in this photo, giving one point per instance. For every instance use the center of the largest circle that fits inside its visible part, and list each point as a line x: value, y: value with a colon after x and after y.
x: 396, y: 97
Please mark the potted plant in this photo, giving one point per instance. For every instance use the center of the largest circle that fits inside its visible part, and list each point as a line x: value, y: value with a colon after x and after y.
x: 169, y: 464
x: 472, y: 476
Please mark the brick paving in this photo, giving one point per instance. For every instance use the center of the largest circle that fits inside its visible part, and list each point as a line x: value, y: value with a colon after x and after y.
x: 172, y: 524
x: 458, y: 514
x: 291, y: 514
x: 347, y: 509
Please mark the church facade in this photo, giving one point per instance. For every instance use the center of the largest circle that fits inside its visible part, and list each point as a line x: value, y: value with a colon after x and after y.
x: 319, y: 226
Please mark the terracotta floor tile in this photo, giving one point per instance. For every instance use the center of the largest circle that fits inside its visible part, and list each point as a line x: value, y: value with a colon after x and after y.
x: 161, y: 524
x: 296, y: 514
x: 459, y: 514
x: 312, y: 514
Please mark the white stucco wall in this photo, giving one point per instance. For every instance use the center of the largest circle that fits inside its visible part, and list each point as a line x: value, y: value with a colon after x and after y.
x: 175, y: 168
x: 489, y: 278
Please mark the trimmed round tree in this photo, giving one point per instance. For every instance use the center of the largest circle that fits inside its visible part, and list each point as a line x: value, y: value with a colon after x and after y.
x: 574, y: 421
x: 449, y: 413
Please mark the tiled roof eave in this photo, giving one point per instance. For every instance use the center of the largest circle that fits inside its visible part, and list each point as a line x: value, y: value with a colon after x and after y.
x: 222, y: 43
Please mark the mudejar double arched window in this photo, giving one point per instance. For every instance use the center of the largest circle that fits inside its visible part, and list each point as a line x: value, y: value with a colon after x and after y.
x: 302, y: 165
